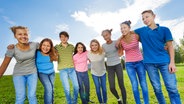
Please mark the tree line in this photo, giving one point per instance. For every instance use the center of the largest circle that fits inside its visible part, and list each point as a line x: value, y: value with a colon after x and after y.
x: 179, y: 51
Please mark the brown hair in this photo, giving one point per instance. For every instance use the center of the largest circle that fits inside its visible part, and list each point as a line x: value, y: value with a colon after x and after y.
x: 107, y: 30
x: 127, y: 23
x: 64, y: 33
x: 148, y: 11
x: 14, y: 28
x: 52, y: 53
x: 79, y: 43
x: 99, y: 47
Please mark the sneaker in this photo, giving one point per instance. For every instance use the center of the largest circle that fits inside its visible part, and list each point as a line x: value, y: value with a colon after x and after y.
x: 90, y: 101
x: 120, y: 102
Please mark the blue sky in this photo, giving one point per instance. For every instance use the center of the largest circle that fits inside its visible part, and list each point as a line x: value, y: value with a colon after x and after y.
x: 83, y: 19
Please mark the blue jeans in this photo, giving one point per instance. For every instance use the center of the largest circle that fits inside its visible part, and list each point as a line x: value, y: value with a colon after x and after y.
x: 169, y: 81
x: 83, y: 80
x: 47, y: 81
x: 65, y: 74
x: 20, y: 84
x: 136, y: 71
x: 100, y: 83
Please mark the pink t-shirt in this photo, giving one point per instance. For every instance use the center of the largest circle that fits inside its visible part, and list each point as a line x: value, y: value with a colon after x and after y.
x: 132, y: 51
x: 80, y: 62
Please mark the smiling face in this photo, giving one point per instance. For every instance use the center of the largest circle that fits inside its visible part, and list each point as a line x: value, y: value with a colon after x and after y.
x: 80, y: 48
x: 45, y: 47
x: 22, y: 36
x: 125, y: 29
x: 64, y: 39
x: 106, y: 35
x: 148, y: 18
x: 94, y: 46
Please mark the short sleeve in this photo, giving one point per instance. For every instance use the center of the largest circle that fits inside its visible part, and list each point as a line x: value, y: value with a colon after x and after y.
x: 168, y: 35
x: 10, y: 52
x: 56, y: 47
x: 137, y: 31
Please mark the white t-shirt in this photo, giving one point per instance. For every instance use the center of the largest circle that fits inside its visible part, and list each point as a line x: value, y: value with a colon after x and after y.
x: 97, y: 63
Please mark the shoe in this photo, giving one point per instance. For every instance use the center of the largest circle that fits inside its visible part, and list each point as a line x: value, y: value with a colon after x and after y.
x: 120, y: 102
x: 90, y: 101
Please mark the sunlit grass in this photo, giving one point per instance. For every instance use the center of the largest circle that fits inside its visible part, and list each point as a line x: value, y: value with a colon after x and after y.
x: 7, y: 93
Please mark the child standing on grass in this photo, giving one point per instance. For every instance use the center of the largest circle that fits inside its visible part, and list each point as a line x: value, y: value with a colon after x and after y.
x: 98, y: 71
x: 113, y: 66
x: 81, y: 66
x: 134, y: 62
x: 66, y: 67
x: 44, y: 62
x: 25, y: 72
x: 158, y: 60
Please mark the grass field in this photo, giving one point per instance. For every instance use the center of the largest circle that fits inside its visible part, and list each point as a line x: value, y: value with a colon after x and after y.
x: 7, y: 93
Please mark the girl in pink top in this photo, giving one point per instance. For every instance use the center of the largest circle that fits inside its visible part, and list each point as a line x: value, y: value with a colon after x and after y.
x: 80, y: 62
x: 129, y: 42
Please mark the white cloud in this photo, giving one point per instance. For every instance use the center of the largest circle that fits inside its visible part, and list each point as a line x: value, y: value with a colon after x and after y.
x: 61, y: 27
x: 176, y: 26
x: 99, y: 21
x: 107, y: 20
x: 7, y: 19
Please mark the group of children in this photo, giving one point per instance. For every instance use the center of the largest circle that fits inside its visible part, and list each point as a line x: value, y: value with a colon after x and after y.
x: 72, y: 64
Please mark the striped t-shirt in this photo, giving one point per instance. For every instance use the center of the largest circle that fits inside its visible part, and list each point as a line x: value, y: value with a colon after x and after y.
x: 132, y: 51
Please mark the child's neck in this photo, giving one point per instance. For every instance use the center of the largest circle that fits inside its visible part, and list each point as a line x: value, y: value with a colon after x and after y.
x: 109, y: 42
x: 23, y: 46
x: 64, y: 44
x: 153, y: 26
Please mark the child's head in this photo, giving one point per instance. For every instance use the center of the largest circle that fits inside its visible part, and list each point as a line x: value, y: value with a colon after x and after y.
x: 47, y: 48
x: 107, y: 34
x: 20, y: 33
x: 79, y: 48
x: 46, y: 45
x: 64, y: 36
x: 148, y: 17
x: 95, y: 46
x: 125, y: 27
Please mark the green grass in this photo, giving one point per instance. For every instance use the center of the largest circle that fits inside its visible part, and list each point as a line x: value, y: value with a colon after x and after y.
x: 7, y: 93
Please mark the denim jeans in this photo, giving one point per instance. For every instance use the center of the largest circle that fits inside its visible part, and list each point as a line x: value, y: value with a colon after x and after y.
x: 47, y: 81
x: 136, y: 71
x: 83, y: 80
x: 100, y: 83
x: 169, y: 81
x: 65, y: 75
x: 20, y: 84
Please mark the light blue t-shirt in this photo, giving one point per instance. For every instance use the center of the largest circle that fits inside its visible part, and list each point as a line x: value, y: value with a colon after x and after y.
x: 153, y: 42
x: 43, y: 63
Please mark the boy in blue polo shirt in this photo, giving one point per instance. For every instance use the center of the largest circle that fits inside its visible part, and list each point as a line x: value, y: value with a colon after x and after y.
x: 153, y: 38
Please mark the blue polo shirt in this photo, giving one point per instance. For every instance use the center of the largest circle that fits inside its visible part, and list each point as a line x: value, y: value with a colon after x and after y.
x: 153, y: 42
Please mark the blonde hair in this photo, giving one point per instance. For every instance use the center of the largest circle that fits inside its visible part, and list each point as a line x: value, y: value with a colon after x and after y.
x: 14, y: 28
x: 99, y: 50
